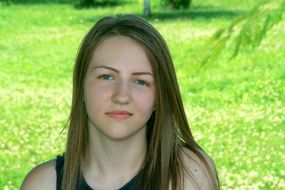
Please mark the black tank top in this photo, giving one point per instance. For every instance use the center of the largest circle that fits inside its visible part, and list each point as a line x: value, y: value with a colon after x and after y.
x: 82, y: 184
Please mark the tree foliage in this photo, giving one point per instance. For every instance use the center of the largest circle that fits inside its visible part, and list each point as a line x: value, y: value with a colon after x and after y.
x: 247, y: 31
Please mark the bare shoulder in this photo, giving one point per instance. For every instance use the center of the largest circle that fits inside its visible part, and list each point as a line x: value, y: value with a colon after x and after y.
x: 41, y: 177
x: 201, y: 171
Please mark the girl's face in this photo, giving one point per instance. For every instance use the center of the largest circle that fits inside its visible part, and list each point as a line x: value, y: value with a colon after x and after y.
x: 119, y: 89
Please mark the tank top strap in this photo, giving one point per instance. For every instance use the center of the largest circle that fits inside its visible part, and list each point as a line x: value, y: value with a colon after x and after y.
x: 59, y: 171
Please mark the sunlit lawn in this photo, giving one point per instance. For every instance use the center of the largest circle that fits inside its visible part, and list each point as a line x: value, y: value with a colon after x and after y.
x: 236, y: 109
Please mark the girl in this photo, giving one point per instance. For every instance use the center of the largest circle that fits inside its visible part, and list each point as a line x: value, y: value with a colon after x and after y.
x: 127, y: 127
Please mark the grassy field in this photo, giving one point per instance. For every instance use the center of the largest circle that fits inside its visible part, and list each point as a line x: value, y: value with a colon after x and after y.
x: 236, y: 109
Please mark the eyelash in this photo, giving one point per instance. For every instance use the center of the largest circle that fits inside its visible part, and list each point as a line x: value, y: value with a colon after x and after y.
x: 143, y: 81
x: 104, y: 77
x: 108, y: 77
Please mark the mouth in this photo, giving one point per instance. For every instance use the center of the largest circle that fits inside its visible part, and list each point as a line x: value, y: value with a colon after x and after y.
x: 119, y: 114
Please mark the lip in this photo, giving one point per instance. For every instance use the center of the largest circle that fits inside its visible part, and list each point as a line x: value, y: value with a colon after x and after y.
x: 119, y: 114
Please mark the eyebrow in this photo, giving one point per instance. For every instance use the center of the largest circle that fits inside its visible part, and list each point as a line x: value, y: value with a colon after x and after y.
x: 106, y: 67
x: 117, y: 71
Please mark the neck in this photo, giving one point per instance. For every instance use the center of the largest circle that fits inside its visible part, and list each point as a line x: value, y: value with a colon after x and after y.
x: 110, y: 157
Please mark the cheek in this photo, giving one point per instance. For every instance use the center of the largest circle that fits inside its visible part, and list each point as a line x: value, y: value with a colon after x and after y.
x: 145, y: 103
x: 95, y: 99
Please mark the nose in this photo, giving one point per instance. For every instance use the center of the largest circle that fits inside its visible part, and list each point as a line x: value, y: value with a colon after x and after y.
x: 121, y: 93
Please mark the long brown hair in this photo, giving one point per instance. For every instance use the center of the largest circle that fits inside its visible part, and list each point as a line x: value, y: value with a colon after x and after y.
x: 167, y: 129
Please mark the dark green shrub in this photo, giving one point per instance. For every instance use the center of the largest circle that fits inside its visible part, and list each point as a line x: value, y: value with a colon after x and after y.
x: 85, y: 3
x: 177, y: 4
x: 33, y: 1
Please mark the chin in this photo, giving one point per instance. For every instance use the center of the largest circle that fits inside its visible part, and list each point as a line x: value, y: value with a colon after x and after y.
x: 122, y: 135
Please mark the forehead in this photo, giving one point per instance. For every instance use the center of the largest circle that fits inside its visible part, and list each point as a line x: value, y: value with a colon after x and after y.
x: 121, y: 51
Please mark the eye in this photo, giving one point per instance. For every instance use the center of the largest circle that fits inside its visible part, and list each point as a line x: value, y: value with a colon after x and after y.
x: 105, y: 77
x: 141, y: 82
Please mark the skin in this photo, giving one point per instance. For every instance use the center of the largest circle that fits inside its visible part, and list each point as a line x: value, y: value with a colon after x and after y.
x: 120, y: 98
x: 41, y: 177
x: 119, y: 90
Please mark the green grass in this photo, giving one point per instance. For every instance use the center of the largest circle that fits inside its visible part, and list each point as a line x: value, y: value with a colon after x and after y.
x: 236, y: 109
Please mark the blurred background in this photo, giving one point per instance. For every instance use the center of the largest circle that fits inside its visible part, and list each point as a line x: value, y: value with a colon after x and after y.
x: 230, y: 62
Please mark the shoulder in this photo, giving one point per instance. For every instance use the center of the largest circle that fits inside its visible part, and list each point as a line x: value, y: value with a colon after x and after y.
x: 41, y: 177
x: 200, y: 171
